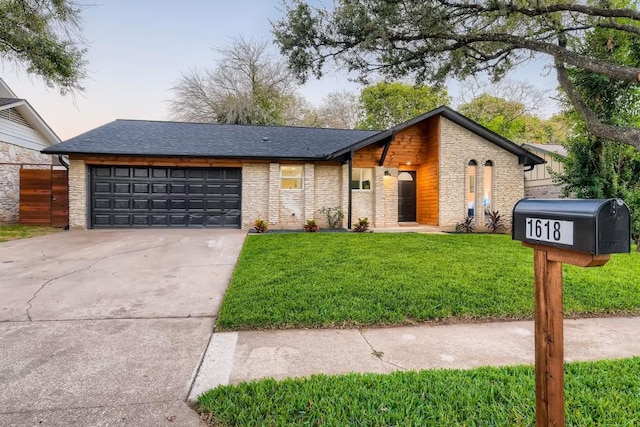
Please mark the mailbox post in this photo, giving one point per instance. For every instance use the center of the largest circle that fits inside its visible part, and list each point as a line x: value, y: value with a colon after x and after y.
x: 574, y: 231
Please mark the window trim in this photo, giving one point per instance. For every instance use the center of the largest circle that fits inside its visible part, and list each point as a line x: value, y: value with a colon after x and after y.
x: 300, y: 177
x: 360, y: 180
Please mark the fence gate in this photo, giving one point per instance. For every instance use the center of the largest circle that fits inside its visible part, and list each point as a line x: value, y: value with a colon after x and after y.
x: 44, y: 197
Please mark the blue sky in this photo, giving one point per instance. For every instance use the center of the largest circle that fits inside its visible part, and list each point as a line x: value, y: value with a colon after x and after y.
x: 138, y: 48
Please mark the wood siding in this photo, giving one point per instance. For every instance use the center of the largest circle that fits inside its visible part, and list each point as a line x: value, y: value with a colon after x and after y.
x: 157, y: 161
x: 428, y: 177
x: 415, y: 148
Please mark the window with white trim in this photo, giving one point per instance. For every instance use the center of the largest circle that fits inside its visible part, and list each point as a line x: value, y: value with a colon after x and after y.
x: 291, y: 177
x: 361, y: 178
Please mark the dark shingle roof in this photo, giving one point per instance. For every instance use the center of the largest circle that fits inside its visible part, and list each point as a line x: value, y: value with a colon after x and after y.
x: 7, y: 101
x: 153, y: 138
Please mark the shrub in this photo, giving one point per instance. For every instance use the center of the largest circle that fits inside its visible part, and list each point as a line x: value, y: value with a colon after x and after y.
x: 311, y: 226
x: 466, y: 226
x: 362, y: 225
x: 260, y: 225
x: 334, y: 216
x: 495, y: 222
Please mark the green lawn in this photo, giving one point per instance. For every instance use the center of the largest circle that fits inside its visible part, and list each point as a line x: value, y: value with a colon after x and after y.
x: 351, y: 279
x: 14, y: 232
x: 603, y: 393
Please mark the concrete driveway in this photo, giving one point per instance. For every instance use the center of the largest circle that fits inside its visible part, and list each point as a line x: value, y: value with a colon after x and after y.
x: 108, y: 327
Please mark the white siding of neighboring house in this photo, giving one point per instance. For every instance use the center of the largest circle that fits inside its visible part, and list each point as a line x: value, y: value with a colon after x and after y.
x: 538, y: 183
x: 20, y: 144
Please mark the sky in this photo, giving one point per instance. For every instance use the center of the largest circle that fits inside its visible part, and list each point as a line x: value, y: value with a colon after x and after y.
x: 137, y: 49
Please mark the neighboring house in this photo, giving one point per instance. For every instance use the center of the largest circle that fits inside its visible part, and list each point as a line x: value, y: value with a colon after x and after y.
x: 132, y: 173
x: 538, y: 183
x: 23, y: 134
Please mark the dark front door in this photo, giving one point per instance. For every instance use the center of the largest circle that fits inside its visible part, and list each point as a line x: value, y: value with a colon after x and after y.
x: 140, y: 196
x: 406, y: 196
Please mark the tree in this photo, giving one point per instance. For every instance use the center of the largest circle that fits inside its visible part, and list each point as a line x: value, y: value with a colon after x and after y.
x: 385, y: 105
x: 248, y: 86
x: 43, y: 36
x: 596, y: 167
x: 511, y: 120
x: 431, y: 40
x: 338, y: 110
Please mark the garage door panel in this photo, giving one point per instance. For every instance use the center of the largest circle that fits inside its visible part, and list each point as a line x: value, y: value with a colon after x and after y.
x: 102, y: 187
x: 165, y: 197
x: 121, y: 188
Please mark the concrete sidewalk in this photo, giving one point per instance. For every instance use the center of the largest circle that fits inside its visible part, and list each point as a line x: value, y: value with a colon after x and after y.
x: 233, y: 357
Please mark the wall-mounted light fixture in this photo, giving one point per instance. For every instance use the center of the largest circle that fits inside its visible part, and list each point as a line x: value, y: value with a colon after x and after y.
x: 387, y: 173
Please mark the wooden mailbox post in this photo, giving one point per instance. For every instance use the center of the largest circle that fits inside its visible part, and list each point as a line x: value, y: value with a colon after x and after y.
x: 576, y: 232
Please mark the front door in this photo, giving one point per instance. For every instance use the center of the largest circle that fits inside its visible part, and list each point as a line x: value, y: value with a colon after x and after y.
x: 407, y: 196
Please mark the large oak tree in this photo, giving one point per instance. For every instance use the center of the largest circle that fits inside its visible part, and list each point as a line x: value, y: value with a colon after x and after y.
x: 431, y: 40
x: 44, y: 37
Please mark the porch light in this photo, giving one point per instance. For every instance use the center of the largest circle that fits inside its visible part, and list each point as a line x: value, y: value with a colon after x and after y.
x: 387, y: 173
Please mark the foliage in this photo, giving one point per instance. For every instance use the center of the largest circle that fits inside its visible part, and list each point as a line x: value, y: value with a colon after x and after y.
x: 15, y: 232
x: 495, y: 222
x: 596, y: 167
x: 43, y: 36
x: 311, y: 226
x: 294, y: 280
x: 361, y: 226
x: 248, y: 86
x: 598, y: 393
x: 260, y: 225
x: 334, y: 216
x: 466, y: 226
x: 385, y: 105
x: 433, y: 40
x: 339, y: 110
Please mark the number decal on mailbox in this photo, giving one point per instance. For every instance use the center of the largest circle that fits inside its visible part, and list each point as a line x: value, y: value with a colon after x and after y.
x: 550, y: 230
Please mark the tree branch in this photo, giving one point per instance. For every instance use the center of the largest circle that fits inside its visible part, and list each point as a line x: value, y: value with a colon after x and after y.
x: 624, y: 135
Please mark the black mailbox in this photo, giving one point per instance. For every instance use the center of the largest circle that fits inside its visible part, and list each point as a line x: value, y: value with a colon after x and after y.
x: 595, y: 226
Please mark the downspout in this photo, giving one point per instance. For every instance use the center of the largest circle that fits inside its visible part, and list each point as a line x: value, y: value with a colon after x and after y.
x: 529, y: 168
x: 63, y: 161
x: 349, y: 184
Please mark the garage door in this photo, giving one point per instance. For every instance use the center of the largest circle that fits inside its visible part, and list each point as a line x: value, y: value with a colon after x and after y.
x: 132, y: 196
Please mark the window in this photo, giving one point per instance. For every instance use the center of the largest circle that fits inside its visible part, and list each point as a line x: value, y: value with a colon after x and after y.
x: 361, y: 178
x: 488, y: 185
x: 291, y: 177
x: 471, y: 193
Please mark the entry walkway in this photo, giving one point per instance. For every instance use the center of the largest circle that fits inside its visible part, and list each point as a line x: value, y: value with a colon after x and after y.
x: 233, y: 357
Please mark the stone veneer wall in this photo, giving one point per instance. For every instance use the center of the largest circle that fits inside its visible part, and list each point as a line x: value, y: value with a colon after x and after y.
x: 78, y: 195
x: 327, y: 192
x: 457, y: 147
x: 255, y: 193
x: 10, y: 177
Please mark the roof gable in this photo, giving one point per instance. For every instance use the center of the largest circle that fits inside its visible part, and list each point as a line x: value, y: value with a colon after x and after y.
x: 524, y: 157
x: 9, y: 100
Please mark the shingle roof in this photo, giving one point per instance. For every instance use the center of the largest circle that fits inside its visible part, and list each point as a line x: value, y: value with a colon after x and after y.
x: 7, y: 101
x: 155, y: 138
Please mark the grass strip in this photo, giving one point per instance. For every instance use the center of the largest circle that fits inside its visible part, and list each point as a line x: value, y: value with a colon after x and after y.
x: 16, y: 231
x: 602, y: 393
x: 352, y: 279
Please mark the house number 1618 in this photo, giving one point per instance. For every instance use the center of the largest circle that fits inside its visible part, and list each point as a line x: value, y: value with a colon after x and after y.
x: 550, y: 230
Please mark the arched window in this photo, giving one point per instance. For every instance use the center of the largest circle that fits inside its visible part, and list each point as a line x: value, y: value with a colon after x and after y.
x: 471, y: 188
x: 487, y: 198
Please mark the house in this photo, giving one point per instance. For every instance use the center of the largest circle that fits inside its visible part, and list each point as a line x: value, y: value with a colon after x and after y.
x: 23, y: 135
x: 538, y: 183
x: 131, y: 173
